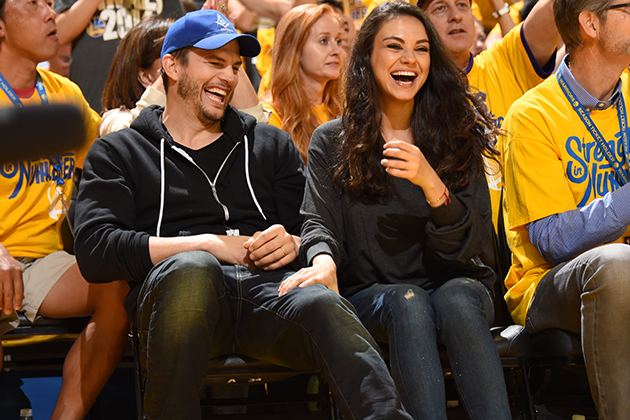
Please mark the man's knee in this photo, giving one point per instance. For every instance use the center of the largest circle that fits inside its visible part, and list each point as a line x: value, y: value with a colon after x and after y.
x: 608, y: 269
x: 190, y: 273
x: 186, y: 284
x: 320, y: 300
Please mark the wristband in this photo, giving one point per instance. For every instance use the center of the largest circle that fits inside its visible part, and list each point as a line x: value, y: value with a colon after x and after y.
x: 447, y: 199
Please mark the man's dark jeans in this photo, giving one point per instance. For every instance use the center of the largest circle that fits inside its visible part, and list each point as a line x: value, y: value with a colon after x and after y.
x: 192, y: 308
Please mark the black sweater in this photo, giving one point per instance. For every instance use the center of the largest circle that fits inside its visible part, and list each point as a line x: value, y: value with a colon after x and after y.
x: 399, y: 240
x: 119, y: 201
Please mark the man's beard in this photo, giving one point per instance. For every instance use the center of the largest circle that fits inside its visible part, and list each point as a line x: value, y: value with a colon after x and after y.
x: 190, y: 91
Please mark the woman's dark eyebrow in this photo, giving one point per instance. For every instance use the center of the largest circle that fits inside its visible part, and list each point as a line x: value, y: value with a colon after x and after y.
x: 395, y: 38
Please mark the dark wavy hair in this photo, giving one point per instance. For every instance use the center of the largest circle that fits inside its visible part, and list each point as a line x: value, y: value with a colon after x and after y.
x: 450, y: 126
x: 137, y: 50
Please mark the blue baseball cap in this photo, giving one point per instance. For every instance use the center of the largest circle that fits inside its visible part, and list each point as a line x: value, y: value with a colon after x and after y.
x: 208, y: 30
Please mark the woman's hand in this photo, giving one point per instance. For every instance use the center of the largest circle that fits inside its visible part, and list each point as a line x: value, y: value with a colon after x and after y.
x: 404, y: 160
x: 323, y: 271
x: 272, y: 248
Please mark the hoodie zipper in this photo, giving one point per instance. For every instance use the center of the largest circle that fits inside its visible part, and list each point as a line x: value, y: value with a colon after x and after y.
x: 226, y: 212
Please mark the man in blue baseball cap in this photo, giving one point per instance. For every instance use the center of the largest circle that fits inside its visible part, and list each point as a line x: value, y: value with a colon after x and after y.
x: 197, y: 207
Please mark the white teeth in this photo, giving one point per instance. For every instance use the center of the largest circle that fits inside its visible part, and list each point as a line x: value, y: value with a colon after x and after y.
x: 404, y: 73
x: 219, y: 92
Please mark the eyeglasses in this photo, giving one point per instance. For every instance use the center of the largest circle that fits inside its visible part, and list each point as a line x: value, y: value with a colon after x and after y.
x: 619, y: 6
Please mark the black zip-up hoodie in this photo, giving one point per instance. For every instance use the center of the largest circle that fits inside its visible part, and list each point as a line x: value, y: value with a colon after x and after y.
x: 138, y: 178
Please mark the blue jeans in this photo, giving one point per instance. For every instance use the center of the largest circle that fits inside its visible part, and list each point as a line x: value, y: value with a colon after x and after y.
x: 192, y: 308
x: 411, y: 319
x: 589, y: 295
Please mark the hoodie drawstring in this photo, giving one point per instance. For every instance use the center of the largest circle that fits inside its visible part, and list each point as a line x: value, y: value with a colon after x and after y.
x: 162, y: 185
x: 249, y: 182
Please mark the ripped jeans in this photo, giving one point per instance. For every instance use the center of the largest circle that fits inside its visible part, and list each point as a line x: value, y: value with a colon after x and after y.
x: 192, y: 308
x: 411, y: 319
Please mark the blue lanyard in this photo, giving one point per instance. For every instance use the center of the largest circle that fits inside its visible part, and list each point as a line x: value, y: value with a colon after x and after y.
x: 39, y: 85
x: 622, y: 175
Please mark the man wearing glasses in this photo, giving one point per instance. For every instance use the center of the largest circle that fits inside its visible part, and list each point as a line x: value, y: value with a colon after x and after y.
x: 567, y: 205
x: 36, y: 276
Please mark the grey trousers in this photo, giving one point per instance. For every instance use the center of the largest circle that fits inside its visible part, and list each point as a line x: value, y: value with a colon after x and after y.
x: 590, y: 295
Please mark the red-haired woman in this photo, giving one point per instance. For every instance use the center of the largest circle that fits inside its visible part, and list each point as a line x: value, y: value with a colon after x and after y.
x: 307, y: 62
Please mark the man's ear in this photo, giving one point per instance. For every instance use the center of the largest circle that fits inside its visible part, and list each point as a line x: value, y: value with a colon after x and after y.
x: 171, y: 67
x: 590, y: 24
x: 2, y: 29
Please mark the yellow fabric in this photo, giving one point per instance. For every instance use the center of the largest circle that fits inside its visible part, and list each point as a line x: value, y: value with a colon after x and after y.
x: 320, y: 113
x: 483, y: 9
x: 552, y: 165
x: 28, y: 226
x: 265, y: 83
x: 265, y: 37
x: 35, y: 339
x: 502, y: 74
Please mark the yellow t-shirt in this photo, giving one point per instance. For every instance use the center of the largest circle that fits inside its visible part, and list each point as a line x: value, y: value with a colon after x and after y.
x: 503, y: 74
x: 30, y: 217
x: 552, y: 165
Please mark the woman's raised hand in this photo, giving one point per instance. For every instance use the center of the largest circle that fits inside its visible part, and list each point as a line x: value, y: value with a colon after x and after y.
x: 405, y: 160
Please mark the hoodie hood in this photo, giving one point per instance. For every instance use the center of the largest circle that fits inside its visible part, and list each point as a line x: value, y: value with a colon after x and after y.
x: 235, y: 124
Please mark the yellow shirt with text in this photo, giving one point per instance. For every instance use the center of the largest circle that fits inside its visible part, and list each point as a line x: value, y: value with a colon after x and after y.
x: 501, y: 75
x: 31, y: 207
x: 552, y: 165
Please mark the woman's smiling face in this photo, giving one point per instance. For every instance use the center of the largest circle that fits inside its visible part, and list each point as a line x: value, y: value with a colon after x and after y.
x: 400, y: 59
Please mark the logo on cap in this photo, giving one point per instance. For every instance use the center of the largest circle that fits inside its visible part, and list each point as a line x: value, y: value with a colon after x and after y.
x: 225, y: 25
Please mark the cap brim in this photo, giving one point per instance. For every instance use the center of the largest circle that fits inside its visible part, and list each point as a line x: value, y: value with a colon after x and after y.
x: 248, y: 44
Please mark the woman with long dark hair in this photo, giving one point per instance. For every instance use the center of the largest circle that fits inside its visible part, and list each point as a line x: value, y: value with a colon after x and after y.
x: 397, y: 210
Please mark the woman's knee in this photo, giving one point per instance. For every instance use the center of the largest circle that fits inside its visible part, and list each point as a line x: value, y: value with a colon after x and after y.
x: 463, y: 299
x: 406, y: 302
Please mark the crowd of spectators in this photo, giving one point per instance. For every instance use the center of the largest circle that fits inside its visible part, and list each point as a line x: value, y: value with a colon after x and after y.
x: 300, y: 181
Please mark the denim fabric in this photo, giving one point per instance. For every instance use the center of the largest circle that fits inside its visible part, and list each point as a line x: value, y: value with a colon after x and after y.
x: 411, y: 319
x: 589, y: 295
x: 192, y: 308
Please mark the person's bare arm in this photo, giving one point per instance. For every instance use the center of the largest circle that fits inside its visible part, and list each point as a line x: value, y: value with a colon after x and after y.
x: 227, y: 249
x: 540, y: 31
x: 272, y: 9
x: 244, y: 95
x: 505, y: 22
x: 271, y: 249
x: 73, y: 21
